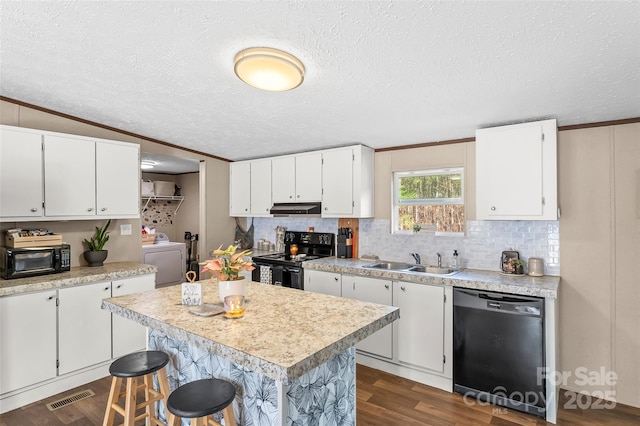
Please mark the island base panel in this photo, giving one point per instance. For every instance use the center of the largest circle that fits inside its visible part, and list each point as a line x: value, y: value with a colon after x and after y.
x: 326, y: 395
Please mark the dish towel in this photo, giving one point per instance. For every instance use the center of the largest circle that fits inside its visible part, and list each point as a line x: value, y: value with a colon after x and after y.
x: 265, y: 274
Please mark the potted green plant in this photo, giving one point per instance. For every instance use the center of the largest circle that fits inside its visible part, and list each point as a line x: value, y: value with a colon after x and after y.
x: 518, y: 266
x: 96, y: 254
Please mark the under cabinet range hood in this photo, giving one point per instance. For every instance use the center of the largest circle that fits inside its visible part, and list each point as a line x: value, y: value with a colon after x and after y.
x: 296, y: 209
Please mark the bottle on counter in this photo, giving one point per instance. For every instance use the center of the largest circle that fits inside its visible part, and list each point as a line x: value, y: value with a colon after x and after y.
x: 454, y: 264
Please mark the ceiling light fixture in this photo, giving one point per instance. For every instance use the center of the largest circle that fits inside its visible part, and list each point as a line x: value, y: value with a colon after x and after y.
x: 147, y: 164
x: 269, y: 69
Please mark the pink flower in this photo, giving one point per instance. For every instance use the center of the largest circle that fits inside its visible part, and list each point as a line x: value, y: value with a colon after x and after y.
x: 227, y: 264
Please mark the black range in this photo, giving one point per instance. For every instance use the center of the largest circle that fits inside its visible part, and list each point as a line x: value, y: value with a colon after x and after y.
x: 285, y: 269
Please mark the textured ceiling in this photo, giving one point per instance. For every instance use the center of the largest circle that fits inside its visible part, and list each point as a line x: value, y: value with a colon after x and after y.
x: 385, y: 73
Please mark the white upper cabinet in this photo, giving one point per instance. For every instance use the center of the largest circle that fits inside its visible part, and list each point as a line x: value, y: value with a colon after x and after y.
x: 297, y: 178
x: 20, y: 174
x: 261, y: 187
x: 69, y: 176
x: 240, y: 188
x: 341, y: 179
x: 348, y: 182
x: 516, y: 172
x: 117, y: 166
x: 308, y: 177
x: 74, y: 176
x: 283, y: 179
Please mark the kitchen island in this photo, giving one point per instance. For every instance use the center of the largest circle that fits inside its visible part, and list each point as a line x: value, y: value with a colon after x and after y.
x: 291, y: 357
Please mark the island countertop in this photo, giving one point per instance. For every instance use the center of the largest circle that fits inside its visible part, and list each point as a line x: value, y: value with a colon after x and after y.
x: 284, y: 333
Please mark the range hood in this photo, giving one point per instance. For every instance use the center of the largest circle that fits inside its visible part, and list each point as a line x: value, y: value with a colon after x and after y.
x: 296, y: 209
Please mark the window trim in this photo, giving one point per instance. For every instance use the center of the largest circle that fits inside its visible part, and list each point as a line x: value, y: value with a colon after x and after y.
x: 396, y: 202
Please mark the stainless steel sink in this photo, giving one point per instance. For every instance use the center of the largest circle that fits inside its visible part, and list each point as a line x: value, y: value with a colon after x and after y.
x: 390, y: 266
x: 439, y: 270
x: 399, y: 266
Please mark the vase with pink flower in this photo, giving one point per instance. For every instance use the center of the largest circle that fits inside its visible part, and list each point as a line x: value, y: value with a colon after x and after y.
x: 225, y: 267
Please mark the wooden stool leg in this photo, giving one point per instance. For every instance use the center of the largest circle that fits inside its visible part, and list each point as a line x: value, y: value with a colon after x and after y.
x: 149, y: 409
x: 163, y: 384
x: 110, y: 413
x: 172, y: 420
x: 229, y: 417
x: 130, y: 401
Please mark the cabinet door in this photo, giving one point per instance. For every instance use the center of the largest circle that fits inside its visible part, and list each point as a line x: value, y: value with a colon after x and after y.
x: 261, y: 187
x: 283, y: 179
x: 375, y: 291
x: 20, y: 174
x: 69, y: 176
x: 129, y: 336
x: 84, y: 329
x: 323, y: 282
x: 27, y: 339
x: 309, y: 177
x: 117, y: 179
x: 337, y: 182
x: 240, y: 189
x: 516, y: 172
x: 421, y: 324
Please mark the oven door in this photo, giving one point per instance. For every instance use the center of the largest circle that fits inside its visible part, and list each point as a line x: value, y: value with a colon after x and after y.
x: 281, y: 275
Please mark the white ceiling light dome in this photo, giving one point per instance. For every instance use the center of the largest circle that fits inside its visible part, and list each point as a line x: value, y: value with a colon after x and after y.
x: 269, y: 69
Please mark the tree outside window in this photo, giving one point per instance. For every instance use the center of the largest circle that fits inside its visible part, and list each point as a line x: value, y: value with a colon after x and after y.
x: 432, y: 199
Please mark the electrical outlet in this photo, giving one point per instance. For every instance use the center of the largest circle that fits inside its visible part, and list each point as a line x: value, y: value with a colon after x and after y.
x: 125, y: 229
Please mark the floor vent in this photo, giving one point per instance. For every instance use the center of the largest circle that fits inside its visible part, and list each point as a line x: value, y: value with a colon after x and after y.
x: 70, y: 399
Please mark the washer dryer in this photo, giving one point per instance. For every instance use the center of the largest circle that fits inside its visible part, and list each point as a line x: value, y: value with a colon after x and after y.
x: 169, y: 257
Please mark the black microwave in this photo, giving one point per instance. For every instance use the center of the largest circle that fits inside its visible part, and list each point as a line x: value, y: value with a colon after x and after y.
x: 32, y: 261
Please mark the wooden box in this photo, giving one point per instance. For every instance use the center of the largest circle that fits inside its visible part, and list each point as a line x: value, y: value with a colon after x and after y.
x: 148, y: 239
x: 33, y: 241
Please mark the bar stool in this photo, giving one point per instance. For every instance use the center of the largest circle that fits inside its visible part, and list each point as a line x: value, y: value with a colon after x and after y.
x: 200, y: 399
x: 130, y: 368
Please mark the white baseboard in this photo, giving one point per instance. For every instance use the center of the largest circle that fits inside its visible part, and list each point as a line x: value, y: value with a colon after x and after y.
x: 27, y: 395
x: 440, y: 382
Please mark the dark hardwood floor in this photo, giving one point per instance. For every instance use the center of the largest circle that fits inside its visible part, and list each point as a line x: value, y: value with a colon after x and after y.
x: 382, y: 399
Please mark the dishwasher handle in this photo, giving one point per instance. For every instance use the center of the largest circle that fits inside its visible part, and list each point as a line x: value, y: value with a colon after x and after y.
x: 497, y: 302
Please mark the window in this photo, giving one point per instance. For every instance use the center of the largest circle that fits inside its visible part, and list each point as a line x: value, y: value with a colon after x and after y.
x: 431, y: 200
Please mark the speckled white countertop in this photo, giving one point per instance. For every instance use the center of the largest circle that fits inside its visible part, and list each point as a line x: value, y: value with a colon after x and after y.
x: 546, y: 286
x: 284, y: 333
x: 77, y: 276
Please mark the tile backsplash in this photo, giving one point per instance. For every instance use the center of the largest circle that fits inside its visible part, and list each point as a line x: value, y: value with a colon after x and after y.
x: 480, y: 248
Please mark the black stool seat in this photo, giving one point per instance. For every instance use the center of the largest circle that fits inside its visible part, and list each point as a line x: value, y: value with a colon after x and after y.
x: 201, y: 398
x: 138, y: 364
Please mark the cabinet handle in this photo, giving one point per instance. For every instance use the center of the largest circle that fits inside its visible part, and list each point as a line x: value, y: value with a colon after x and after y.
x: 33, y: 210
x: 103, y: 209
x: 50, y: 297
x: 326, y: 208
x: 106, y: 288
x: 290, y: 196
x: 119, y: 285
x: 386, y: 286
x: 246, y: 210
x: 90, y: 209
x: 402, y: 288
x: 335, y: 278
x: 493, y: 208
x: 298, y: 196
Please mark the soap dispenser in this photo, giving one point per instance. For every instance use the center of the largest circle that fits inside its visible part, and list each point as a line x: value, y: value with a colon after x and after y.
x: 455, y: 259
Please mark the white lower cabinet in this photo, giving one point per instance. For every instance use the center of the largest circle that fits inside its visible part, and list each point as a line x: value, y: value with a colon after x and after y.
x: 323, y: 282
x: 421, y: 337
x: 51, y: 333
x: 27, y: 339
x: 372, y: 290
x: 129, y: 336
x: 84, y: 329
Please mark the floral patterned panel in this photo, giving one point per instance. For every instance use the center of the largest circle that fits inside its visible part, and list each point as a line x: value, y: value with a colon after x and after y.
x: 324, y: 396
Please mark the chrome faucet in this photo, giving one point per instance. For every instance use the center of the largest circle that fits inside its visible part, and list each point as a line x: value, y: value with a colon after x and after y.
x: 416, y: 256
x: 439, y: 260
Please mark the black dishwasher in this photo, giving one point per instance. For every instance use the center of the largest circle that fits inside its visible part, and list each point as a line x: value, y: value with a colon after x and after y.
x: 498, y: 349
